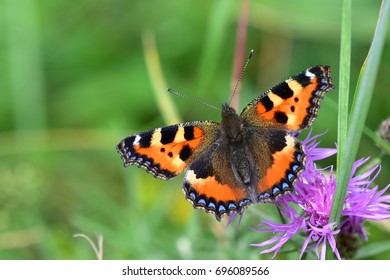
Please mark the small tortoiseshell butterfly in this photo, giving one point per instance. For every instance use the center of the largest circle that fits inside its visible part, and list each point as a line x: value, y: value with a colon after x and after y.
x: 245, y: 159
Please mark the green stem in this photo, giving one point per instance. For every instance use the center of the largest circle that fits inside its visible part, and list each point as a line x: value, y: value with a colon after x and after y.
x: 25, y: 64
x: 344, y: 80
x: 359, y: 110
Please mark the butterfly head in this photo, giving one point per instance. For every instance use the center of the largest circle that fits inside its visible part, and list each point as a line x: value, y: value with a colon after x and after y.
x: 231, y: 123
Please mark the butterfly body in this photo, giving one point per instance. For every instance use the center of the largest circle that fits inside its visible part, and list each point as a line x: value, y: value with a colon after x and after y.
x: 245, y: 159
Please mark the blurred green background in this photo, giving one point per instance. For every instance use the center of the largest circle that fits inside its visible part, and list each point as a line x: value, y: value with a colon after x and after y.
x: 74, y: 82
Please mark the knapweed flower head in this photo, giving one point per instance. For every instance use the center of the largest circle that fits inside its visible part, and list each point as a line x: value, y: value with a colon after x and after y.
x: 307, y: 211
x: 384, y: 130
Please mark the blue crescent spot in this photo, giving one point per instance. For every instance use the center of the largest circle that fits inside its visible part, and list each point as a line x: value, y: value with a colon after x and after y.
x: 295, y: 167
x: 192, y: 195
x: 264, y: 195
x: 232, y: 206
x: 221, y: 208
x: 290, y: 176
x: 202, y: 201
x: 299, y: 157
x: 275, y: 191
x: 285, y: 186
x: 211, y: 205
x: 243, y: 202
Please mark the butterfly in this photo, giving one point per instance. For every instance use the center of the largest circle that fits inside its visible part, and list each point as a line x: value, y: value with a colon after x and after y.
x: 247, y: 158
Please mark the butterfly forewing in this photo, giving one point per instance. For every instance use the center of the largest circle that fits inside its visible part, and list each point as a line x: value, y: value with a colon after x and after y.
x: 294, y: 103
x: 165, y: 152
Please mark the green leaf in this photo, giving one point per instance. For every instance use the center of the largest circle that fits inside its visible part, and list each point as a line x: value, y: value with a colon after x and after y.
x: 361, y: 103
x: 372, y: 249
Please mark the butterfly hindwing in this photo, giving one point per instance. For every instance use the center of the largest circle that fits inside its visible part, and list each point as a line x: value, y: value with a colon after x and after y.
x: 206, y: 184
x: 211, y: 184
x: 282, y: 157
x: 294, y: 103
x: 165, y: 152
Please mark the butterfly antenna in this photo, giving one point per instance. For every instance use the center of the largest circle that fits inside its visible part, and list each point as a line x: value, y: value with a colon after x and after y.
x: 192, y: 99
x: 241, y: 74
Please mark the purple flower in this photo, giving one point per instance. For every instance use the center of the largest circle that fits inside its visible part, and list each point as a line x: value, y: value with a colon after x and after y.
x: 308, y: 210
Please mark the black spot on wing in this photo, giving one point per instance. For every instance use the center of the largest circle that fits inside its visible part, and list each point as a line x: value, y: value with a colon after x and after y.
x: 267, y: 103
x: 145, y: 140
x: 168, y: 134
x: 302, y: 79
x: 283, y: 90
x: 185, y: 153
x: 127, y: 142
x: 281, y: 117
x: 189, y: 133
x: 317, y: 70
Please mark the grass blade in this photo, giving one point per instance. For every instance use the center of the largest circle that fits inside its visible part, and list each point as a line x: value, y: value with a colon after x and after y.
x: 359, y: 110
x: 164, y: 101
x: 26, y: 72
x: 217, y: 29
x: 344, y: 83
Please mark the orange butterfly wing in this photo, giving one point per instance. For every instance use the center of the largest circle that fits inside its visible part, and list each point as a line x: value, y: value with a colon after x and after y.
x: 207, y: 186
x: 165, y: 152
x: 294, y: 103
x: 291, y: 106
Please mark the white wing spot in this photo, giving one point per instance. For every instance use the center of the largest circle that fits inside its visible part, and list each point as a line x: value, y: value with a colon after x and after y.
x: 309, y: 74
x: 290, y: 141
x: 136, y: 140
x: 190, y: 176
